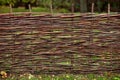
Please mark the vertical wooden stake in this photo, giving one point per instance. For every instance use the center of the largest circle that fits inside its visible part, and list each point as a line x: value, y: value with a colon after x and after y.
x: 72, y: 9
x: 92, y: 8
x: 29, y: 8
x: 72, y: 6
x: 51, y: 7
x: 10, y: 5
x: 108, y: 8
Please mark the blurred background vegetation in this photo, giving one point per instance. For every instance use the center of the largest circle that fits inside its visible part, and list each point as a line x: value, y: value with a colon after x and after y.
x: 61, y: 6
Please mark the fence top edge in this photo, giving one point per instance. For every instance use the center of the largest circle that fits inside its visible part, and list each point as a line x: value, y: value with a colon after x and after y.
x: 61, y: 15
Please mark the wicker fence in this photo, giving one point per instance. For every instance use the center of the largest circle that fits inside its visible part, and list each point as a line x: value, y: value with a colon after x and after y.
x: 60, y: 44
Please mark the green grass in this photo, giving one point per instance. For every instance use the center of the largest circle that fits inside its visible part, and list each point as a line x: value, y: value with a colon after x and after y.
x: 5, y: 9
x: 40, y: 9
x: 20, y: 9
x: 106, y: 76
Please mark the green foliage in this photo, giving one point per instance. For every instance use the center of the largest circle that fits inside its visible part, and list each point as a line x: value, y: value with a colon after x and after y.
x: 28, y: 1
x: 65, y: 3
x: 2, y: 2
x: 12, y: 2
x: 45, y: 3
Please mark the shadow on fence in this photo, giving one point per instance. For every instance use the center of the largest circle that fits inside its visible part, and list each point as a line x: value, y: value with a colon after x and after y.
x: 60, y: 44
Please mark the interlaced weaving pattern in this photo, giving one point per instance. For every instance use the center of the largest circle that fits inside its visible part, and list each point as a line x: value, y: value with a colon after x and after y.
x: 60, y: 44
